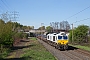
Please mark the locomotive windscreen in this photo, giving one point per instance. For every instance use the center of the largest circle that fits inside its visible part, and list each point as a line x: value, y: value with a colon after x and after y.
x: 65, y: 37
x: 59, y: 37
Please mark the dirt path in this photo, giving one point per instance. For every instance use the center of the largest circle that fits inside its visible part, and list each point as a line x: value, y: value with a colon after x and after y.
x: 17, y: 51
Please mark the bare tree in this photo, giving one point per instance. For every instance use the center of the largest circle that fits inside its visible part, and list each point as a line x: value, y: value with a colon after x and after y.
x: 64, y: 25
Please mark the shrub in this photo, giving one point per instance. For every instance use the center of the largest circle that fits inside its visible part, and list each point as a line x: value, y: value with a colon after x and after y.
x: 79, y: 34
x: 18, y: 35
x: 25, y: 36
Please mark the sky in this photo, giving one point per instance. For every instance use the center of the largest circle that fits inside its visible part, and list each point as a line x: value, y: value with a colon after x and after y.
x: 35, y: 12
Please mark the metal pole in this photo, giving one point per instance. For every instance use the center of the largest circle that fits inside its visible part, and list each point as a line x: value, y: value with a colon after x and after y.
x: 72, y: 33
x: 41, y: 28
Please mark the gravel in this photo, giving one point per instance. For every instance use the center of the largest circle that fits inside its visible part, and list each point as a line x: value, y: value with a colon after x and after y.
x: 71, y: 54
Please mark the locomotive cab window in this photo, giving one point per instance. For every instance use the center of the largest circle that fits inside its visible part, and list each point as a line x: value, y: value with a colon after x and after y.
x: 65, y: 37
x: 59, y: 37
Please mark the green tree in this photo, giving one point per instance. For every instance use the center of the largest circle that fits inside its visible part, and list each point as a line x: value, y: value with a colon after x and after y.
x: 6, y: 34
x: 2, y: 23
x: 42, y: 28
x: 48, y: 29
x: 79, y: 34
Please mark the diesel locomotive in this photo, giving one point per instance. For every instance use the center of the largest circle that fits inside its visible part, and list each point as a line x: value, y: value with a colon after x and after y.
x: 59, y: 41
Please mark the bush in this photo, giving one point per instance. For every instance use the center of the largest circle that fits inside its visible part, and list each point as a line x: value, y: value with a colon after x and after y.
x: 25, y: 36
x: 70, y: 37
x: 79, y: 34
x: 18, y: 35
x: 6, y: 34
x: 6, y: 40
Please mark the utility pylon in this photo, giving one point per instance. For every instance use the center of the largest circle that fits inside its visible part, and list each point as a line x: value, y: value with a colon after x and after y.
x: 14, y: 16
x: 5, y: 16
x: 9, y: 16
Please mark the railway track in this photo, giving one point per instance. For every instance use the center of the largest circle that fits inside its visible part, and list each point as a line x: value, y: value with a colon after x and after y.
x: 76, y: 55
x: 71, y: 54
x: 83, y: 52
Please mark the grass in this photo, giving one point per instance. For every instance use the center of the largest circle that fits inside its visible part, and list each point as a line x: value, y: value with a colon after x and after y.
x: 4, y: 53
x: 12, y: 56
x: 37, y: 52
x: 81, y: 47
x: 33, y: 38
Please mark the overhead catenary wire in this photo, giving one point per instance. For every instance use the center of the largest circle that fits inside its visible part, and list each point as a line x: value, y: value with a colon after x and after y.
x: 10, y: 15
x: 1, y: 8
x: 5, y: 5
x: 8, y: 5
x: 81, y: 20
x: 77, y: 13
